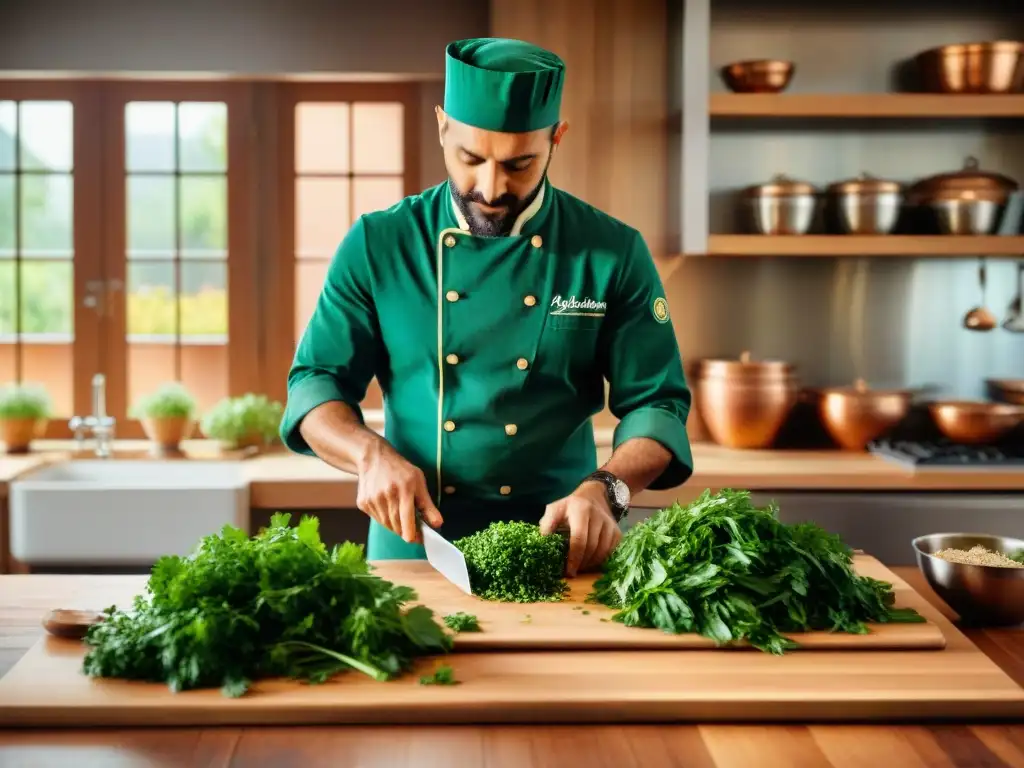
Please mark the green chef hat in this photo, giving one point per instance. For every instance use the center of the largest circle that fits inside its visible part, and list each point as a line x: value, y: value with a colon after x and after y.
x: 502, y: 85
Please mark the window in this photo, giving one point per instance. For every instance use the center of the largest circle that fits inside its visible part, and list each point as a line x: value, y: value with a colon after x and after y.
x: 161, y: 231
x: 346, y: 151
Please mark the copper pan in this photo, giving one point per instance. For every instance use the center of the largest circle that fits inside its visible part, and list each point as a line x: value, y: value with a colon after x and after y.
x: 758, y: 75
x: 974, y: 422
x: 988, y: 67
x: 856, y: 415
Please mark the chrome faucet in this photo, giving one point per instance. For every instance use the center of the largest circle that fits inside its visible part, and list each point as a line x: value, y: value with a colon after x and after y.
x: 98, y: 422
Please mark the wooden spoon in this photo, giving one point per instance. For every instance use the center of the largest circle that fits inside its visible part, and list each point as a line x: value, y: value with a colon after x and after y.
x: 65, y: 622
x: 980, y: 318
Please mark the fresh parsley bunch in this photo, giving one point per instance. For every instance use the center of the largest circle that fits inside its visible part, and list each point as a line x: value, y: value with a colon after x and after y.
x: 276, y: 604
x: 728, y: 570
x: 514, y: 562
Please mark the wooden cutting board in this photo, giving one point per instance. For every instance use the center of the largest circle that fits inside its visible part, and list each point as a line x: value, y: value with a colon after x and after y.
x: 47, y: 688
x: 576, y: 624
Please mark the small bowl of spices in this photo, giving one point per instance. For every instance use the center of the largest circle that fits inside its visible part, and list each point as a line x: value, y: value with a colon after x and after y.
x: 978, y: 575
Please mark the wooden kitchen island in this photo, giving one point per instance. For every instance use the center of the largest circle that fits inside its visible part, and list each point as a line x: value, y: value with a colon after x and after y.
x: 618, y: 745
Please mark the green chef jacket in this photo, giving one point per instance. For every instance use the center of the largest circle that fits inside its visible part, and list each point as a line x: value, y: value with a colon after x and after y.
x: 491, y: 352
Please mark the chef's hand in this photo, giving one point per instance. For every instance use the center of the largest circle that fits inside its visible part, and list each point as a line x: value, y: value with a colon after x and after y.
x: 593, y: 532
x: 391, y: 490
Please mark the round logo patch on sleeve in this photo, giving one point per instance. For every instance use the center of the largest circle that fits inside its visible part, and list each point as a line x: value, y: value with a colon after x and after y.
x: 660, y: 309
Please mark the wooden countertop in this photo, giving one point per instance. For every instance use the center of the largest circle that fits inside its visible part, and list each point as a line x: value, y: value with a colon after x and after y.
x: 622, y: 746
x: 282, y: 480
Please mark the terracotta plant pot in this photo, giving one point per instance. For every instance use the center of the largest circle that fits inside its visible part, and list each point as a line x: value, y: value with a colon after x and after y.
x: 17, y: 434
x: 167, y: 433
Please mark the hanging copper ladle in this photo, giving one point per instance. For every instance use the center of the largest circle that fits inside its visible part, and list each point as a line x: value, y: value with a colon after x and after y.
x: 980, y: 318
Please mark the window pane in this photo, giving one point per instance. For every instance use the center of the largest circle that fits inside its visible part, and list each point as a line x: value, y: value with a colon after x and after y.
x: 321, y: 215
x: 151, y: 363
x: 321, y: 138
x: 150, y: 203
x: 377, y: 145
x: 204, y: 370
x: 203, y: 136
x: 46, y: 135
x: 151, y: 299
x: 50, y: 363
x: 204, y: 298
x: 47, y: 289
x: 149, y: 136
x: 8, y: 298
x: 309, y: 280
x: 204, y: 213
x: 46, y: 202
x: 375, y: 194
x: 8, y: 134
x: 7, y: 208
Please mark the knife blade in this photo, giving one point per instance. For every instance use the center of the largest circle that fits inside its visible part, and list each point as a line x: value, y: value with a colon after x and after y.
x: 445, y: 558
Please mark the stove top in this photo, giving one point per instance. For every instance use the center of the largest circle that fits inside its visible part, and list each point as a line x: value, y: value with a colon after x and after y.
x: 942, y: 453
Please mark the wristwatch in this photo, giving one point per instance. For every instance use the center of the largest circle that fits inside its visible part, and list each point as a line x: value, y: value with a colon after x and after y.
x: 616, y: 490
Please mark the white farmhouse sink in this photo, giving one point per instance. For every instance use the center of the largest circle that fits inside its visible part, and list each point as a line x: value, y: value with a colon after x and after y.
x: 122, y: 512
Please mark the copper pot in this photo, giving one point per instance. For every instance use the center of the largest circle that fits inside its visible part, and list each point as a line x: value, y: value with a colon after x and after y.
x: 992, y: 67
x: 969, y: 183
x: 18, y: 434
x: 758, y: 75
x: 854, y: 416
x: 744, y: 404
x: 975, y: 423
x: 1006, y: 390
x: 783, y: 206
x: 865, y: 205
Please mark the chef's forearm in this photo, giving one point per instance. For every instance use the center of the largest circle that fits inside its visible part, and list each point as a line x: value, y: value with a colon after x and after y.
x: 638, y: 462
x: 336, y: 435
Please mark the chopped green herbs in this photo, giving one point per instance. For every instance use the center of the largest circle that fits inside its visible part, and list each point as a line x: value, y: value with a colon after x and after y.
x: 514, y: 562
x: 462, y: 622
x: 731, y: 571
x: 276, y: 604
x: 443, y: 675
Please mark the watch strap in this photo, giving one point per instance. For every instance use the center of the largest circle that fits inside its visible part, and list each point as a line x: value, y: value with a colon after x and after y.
x: 610, y: 481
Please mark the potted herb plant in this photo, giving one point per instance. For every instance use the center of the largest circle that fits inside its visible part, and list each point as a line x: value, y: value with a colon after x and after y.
x: 245, y: 421
x: 167, y: 416
x: 24, y: 413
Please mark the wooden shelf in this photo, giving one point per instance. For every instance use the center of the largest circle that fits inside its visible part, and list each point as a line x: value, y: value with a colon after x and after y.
x: 864, y: 245
x: 868, y: 105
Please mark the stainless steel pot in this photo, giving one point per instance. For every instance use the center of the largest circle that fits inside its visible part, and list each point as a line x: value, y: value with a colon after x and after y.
x: 967, y: 217
x: 781, y: 207
x: 965, y: 202
x: 865, y: 206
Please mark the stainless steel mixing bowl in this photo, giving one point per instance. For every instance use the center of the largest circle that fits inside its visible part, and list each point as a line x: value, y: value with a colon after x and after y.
x: 982, y: 595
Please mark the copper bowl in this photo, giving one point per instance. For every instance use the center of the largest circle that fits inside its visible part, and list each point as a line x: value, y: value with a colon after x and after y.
x: 744, y: 404
x: 758, y: 76
x: 1006, y: 390
x: 992, y: 67
x: 854, y: 416
x: 975, y: 422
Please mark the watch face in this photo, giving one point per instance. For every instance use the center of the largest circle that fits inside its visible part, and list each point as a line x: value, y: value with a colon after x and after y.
x: 621, y: 492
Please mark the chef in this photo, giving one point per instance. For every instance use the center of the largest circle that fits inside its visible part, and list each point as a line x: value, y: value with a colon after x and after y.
x: 492, y: 308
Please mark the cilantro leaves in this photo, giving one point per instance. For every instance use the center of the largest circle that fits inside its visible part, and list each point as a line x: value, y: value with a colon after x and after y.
x: 276, y: 604
x: 729, y: 571
x: 462, y: 622
x: 514, y: 562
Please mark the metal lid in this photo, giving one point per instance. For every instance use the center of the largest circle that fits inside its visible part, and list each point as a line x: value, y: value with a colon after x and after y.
x: 970, y: 183
x: 745, y: 368
x: 781, y: 186
x: 865, y: 183
x: 860, y: 387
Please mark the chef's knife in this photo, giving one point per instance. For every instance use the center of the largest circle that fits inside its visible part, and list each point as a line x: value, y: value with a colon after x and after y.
x: 445, y: 557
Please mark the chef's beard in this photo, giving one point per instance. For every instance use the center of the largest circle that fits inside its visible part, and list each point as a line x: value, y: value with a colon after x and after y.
x: 498, y: 224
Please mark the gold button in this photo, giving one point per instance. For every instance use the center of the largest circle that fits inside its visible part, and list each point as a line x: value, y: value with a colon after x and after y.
x: 530, y: 301
x: 511, y: 429
x: 452, y: 359
x: 505, y: 490
x: 450, y: 241
x: 536, y: 241
x: 449, y: 426
x: 522, y: 363
x: 452, y: 295
x: 449, y: 489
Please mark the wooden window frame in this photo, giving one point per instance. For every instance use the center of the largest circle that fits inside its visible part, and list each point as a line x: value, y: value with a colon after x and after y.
x: 86, y: 225
x: 279, y: 312
x: 242, y: 285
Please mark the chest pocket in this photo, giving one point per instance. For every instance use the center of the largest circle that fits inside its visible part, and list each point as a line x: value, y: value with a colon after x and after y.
x: 575, y: 322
